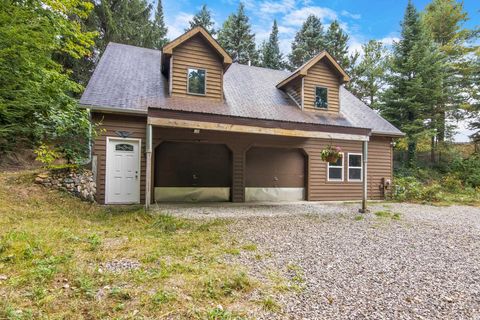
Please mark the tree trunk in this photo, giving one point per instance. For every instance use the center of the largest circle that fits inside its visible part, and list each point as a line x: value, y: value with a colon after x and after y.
x: 432, y: 151
x: 412, y: 150
x: 441, y: 127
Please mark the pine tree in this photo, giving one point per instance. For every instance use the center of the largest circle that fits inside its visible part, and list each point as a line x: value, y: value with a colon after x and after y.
x: 159, y: 29
x: 270, y: 54
x: 308, y: 42
x: 237, y: 39
x: 125, y: 21
x: 445, y: 19
x: 336, y: 44
x: 203, y: 18
x: 415, y: 81
x: 368, y: 76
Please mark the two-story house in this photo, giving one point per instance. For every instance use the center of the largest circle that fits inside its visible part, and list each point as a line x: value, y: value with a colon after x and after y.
x: 187, y: 124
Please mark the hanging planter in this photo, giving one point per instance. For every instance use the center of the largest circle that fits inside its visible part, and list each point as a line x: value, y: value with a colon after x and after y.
x: 331, y: 154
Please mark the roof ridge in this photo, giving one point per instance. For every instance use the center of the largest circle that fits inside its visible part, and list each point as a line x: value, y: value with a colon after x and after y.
x: 259, y: 67
x: 131, y: 45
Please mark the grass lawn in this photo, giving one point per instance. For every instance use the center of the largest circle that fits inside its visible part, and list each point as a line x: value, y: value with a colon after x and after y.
x: 57, y: 255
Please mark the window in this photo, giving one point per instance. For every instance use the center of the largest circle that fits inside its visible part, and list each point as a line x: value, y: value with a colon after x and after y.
x: 354, y: 167
x: 335, y: 170
x: 123, y: 147
x: 321, y: 98
x: 196, y: 81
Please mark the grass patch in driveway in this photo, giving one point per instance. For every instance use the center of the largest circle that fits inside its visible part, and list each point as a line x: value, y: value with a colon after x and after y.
x: 387, y: 214
x: 63, y: 258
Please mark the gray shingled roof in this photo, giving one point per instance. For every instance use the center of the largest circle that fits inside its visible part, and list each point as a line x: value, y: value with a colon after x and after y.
x: 128, y: 79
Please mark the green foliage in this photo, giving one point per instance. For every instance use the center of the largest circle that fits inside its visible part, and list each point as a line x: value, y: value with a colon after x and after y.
x: 36, y: 92
x: 459, y: 185
x: 203, y: 18
x: 168, y: 223
x: 336, y: 44
x: 236, y: 37
x: 309, y: 41
x: 369, y: 73
x: 269, y: 304
x: 468, y: 170
x: 445, y: 21
x: 158, y: 33
x: 128, y: 22
x: 270, y: 55
x: 46, y: 155
x: 415, y: 81
x: 387, y: 214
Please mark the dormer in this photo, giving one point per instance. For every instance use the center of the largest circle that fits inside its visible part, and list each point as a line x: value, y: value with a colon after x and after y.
x: 315, y: 86
x: 194, y: 64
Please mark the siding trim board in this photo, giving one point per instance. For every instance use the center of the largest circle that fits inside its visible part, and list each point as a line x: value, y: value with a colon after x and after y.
x: 189, y: 124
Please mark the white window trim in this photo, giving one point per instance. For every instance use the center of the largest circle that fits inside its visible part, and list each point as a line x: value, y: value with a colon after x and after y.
x: 315, y: 97
x: 188, y: 82
x: 361, y: 167
x: 342, y: 167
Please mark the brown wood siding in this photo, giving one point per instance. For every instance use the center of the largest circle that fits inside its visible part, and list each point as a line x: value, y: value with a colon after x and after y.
x: 198, y: 54
x: 318, y: 188
x: 109, y: 124
x: 275, y: 168
x: 379, y: 165
x: 295, y: 91
x: 322, y: 75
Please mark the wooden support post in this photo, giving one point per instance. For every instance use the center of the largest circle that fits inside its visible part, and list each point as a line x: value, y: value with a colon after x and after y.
x: 365, y: 175
x: 148, y: 165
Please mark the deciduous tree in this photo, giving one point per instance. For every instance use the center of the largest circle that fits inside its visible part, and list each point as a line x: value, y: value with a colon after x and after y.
x: 36, y: 103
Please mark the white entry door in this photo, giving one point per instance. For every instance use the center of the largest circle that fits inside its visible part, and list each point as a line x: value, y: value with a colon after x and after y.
x: 122, y: 181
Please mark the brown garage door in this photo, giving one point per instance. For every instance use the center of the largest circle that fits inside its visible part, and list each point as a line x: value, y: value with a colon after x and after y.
x: 275, y: 174
x: 192, y: 172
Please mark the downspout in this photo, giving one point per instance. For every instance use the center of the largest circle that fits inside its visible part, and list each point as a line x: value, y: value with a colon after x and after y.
x: 89, y: 136
x: 364, y: 178
x: 148, y: 173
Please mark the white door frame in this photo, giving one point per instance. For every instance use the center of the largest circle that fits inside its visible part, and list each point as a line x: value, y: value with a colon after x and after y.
x: 107, y: 169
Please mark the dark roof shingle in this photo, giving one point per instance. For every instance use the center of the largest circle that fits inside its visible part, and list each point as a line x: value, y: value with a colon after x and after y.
x: 129, y: 79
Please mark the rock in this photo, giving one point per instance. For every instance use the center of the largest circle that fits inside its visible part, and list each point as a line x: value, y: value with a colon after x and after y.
x: 66, y: 286
x: 38, y: 180
x: 3, y: 277
x: 43, y: 175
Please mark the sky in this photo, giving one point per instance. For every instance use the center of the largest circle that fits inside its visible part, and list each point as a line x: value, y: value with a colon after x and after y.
x: 361, y: 19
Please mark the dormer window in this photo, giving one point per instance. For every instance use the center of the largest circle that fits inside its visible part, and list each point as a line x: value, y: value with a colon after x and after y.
x: 196, y: 81
x: 321, y: 98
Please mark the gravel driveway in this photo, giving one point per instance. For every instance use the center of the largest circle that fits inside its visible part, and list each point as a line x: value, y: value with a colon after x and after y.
x: 407, y: 262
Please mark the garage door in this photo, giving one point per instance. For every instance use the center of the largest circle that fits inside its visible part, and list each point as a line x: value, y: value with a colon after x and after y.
x: 275, y: 174
x: 192, y: 172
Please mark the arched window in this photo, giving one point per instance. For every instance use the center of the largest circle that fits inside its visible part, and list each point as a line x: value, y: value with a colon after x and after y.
x: 124, y: 147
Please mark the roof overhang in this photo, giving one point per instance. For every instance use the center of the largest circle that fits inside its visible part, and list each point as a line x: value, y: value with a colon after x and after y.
x: 113, y: 110
x: 167, y: 50
x: 253, y: 128
x: 224, y: 127
x: 303, y: 70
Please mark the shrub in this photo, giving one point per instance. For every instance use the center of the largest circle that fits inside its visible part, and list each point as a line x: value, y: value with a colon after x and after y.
x: 452, y: 183
x: 407, y: 188
x: 431, y: 192
x: 468, y: 170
